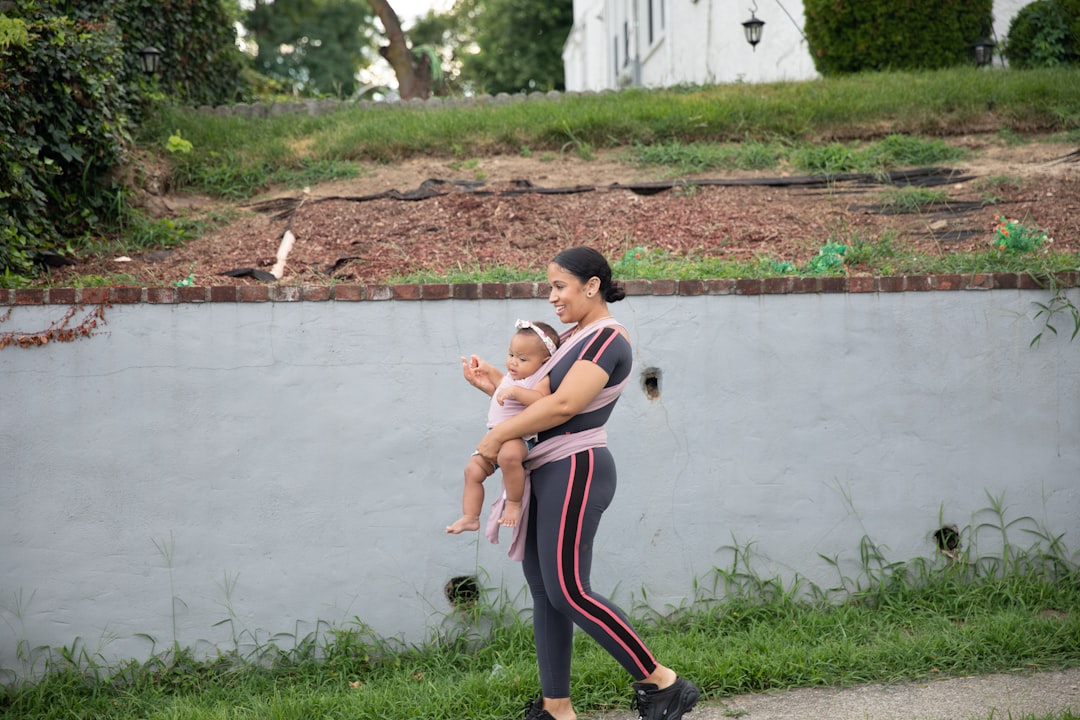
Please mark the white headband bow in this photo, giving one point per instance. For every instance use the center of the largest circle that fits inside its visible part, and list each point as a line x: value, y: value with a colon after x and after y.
x: 525, y: 324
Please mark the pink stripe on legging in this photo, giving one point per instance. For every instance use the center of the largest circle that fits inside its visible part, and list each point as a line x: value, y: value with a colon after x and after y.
x: 611, y: 618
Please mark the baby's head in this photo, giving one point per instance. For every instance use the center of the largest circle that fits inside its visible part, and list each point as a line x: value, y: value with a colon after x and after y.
x: 530, y: 347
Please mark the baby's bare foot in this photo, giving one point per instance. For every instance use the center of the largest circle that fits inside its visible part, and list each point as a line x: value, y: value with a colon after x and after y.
x: 466, y: 523
x: 511, y: 514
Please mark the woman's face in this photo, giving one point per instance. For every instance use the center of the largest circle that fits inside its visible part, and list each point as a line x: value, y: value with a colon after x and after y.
x: 568, y: 294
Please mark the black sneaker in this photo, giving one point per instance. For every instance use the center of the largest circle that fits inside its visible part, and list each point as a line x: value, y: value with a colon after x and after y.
x: 667, y: 704
x: 535, y: 710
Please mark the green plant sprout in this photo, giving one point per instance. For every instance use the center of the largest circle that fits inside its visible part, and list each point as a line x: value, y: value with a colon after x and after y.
x: 178, y: 145
x: 829, y: 260
x: 1011, y: 235
x: 1058, y: 304
x: 186, y: 281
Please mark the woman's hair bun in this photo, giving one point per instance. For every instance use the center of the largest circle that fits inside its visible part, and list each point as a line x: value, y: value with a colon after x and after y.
x: 584, y: 263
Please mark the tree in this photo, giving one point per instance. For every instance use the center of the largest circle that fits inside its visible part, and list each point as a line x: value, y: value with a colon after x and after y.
x: 516, y: 44
x: 316, y: 47
x: 413, y: 70
x: 480, y: 46
x: 439, y: 36
x: 448, y: 37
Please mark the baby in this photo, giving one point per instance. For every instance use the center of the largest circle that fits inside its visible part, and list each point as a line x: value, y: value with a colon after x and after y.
x: 530, y: 347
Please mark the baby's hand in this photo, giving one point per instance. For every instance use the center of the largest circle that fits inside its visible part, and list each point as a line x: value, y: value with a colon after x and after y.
x: 504, y: 395
x: 475, y: 371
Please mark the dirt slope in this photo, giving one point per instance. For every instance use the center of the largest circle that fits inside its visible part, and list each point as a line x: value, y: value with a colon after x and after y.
x: 441, y: 214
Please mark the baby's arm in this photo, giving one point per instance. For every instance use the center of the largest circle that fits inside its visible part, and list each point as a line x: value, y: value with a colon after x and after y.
x: 480, y: 374
x: 525, y: 396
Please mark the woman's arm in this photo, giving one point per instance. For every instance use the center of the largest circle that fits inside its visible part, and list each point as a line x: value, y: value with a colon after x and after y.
x: 580, y: 386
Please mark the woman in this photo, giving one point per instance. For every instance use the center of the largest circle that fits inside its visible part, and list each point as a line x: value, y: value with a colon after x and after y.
x: 572, y: 483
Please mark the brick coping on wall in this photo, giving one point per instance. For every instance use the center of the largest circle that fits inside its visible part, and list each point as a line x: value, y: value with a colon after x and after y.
x: 521, y: 290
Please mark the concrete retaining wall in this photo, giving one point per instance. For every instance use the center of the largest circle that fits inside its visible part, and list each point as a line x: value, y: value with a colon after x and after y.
x: 208, y: 472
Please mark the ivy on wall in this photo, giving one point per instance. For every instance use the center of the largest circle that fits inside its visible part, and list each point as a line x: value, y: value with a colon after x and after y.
x: 200, y: 63
x: 66, y: 329
x: 70, y: 91
x: 64, y: 124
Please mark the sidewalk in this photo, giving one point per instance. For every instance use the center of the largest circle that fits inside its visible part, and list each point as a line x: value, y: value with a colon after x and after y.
x: 1002, y: 696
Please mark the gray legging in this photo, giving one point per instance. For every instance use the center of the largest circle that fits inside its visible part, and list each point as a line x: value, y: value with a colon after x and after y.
x: 568, y: 498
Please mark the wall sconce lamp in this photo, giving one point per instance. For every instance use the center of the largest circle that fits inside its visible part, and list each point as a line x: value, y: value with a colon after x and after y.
x: 150, y: 59
x: 984, y: 52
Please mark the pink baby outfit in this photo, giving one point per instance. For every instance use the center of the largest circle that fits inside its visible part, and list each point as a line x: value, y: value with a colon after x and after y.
x: 496, y: 412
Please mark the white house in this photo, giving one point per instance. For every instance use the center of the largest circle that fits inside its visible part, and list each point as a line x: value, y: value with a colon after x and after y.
x: 660, y: 43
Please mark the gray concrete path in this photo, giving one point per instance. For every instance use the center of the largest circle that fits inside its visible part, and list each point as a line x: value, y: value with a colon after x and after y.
x: 998, y: 697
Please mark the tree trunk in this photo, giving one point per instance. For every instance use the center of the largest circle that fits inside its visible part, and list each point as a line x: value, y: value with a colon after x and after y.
x: 414, y: 78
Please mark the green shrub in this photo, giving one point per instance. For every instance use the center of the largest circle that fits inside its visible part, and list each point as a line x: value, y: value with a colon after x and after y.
x: 200, y: 61
x: 1071, y: 9
x: 1044, y: 34
x: 855, y: 35
x: 63, y: 120
x: 70, y: 90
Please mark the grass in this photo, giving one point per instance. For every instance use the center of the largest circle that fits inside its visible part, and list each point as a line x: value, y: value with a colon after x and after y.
x: 854, y: 251
x: 843, y: 251
x: 680, y: 158
x: 740, y: 633
x: 815, y: 122
x: 913, y: 199
x: 864, y: 123
x: 472, y: 274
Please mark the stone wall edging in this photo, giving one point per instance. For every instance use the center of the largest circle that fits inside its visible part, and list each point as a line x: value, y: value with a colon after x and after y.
x: 520, y: 290
x: 316, y: 107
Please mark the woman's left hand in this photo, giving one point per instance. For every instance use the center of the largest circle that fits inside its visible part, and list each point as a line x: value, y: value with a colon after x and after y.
x: 584, y: 381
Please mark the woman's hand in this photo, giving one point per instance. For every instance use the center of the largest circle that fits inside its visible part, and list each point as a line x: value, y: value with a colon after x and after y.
x: 488, y: 447
x: 478, y: 374
x: 583, y: 383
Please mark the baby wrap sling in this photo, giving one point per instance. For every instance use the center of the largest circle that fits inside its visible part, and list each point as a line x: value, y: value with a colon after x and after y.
x: 559, y: 447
